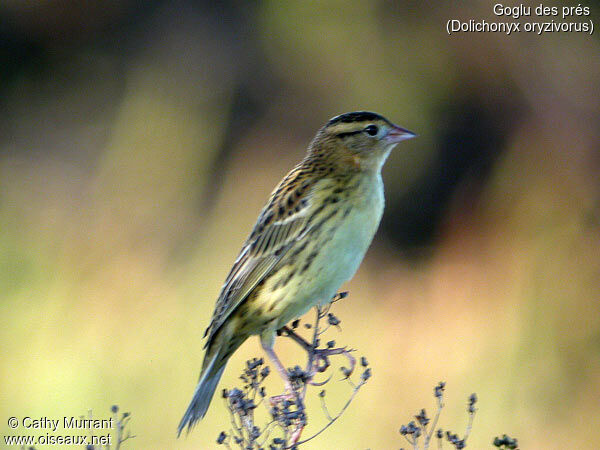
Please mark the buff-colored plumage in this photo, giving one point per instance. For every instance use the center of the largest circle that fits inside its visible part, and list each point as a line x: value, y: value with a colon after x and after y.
x: 309, y: 239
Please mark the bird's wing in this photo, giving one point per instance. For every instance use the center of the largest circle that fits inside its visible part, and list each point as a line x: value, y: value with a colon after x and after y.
x: 281, y: 224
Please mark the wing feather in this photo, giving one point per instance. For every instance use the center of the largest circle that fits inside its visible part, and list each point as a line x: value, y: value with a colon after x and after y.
x: 283, y: 222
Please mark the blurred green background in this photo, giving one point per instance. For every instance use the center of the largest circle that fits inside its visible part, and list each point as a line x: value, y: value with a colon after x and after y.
x: 139, y: 140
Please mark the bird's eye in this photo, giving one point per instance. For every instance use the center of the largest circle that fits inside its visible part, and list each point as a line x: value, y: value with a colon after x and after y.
x: 371, y: 130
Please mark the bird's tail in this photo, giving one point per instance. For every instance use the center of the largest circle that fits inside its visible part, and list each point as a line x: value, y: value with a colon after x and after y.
x: 203, y: 394
x: 218, y: 352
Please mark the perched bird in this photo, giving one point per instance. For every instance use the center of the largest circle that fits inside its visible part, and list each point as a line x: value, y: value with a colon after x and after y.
x: 309, y: 238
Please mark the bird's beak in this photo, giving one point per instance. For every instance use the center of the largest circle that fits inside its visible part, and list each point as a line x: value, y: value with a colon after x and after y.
x: 397, y: 134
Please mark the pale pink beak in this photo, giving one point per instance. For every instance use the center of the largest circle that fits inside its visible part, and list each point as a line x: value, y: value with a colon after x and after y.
x: 397, y: 134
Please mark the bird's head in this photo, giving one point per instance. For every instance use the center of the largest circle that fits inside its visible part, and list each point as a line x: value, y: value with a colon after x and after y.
x: 361, y: 139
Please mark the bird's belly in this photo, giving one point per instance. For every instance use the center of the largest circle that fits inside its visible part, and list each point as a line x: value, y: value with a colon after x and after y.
x: 340, y: 256
x: 334, y: 255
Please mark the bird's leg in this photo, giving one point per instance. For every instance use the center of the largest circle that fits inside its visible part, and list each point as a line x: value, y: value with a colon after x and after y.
x: 280, y: 368
x: 292, y: 394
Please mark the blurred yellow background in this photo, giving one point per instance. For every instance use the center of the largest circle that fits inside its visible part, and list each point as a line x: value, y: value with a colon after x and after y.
x: 139, y: 140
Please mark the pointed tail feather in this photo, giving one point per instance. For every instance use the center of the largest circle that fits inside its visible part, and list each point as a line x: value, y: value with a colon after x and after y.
x: 202, y: 395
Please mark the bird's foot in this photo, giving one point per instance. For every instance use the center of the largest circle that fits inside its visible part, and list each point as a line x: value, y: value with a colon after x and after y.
x: 279, y: 399
x: 321, y: 363
x: 289, y: 408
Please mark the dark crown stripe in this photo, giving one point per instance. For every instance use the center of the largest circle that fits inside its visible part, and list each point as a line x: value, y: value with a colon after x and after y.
x: 357, y: 116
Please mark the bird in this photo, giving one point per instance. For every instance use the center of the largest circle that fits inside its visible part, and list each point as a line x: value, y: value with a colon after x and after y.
x: 310, y: 238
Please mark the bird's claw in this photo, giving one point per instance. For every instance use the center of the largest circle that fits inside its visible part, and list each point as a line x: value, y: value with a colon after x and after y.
x: 287, y: 396
x: 322, y: 355
x: 320, y: 383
